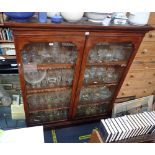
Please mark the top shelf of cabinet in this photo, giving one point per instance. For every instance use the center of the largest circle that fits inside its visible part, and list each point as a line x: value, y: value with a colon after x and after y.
x: 82, y: 25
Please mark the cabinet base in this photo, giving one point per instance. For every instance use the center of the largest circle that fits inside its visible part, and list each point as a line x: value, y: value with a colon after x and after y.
x: 67, y: 123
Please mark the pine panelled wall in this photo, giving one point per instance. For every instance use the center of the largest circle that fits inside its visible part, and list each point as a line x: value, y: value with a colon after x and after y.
x: 140, y: 80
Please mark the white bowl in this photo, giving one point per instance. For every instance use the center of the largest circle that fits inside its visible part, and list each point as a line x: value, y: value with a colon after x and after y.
x: 139, y: 18
x: 72, y: 16
x: 96, y: 15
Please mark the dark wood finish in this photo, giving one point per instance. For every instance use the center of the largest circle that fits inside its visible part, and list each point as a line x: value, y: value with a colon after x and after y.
x: 84, y: 36
x: 76, y: 121
x: 83, y: 26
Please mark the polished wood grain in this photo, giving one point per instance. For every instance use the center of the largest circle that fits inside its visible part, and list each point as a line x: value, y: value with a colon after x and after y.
x: 150, y: 36
x: 48, y: 66
x: 84, y: 36
x: 46, y: 90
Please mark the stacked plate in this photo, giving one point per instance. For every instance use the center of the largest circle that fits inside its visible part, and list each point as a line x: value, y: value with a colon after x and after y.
x: 97, y: 16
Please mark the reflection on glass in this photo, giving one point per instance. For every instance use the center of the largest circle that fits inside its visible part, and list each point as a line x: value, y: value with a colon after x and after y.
x: 34, y: 54
x: 91, y: 110
x: 97, y: 94
x: 50, y: 78
x: 95, y: 75
x: 111, y: 75
x: 49, y: 100
x: 103, y: 52
x: 49, y: 53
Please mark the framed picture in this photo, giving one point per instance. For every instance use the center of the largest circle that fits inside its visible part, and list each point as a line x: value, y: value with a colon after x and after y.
x: 133, y: 106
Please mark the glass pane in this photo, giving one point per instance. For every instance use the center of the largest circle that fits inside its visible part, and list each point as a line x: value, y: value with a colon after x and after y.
x: 92, y: 110
x: 48, y: 67
x: 92, y: 95
x: 48, y: 116
x: 49, y: 78
x: 103, y: 52
x: 50, y: 53
x: 95, y: 75
x: 49, y: 64
x: 58, y: 99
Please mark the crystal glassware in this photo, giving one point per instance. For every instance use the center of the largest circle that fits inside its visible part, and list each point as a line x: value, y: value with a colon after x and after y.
x: 93, y: 56
x: 67, y: 77
x: 118, y: 54
x: 111, y: 75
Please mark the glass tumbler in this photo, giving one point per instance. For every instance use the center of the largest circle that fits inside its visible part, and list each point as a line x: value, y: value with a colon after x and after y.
x: 111, y: 75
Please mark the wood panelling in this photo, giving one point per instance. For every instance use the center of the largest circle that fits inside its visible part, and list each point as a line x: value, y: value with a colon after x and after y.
x: 150, y: 36
x: 146, y: 49
x: 140, y: 80
x: 138, y: 92
x: 152, y: 19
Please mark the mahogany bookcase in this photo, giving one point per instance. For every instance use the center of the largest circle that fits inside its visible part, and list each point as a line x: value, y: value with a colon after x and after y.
x: 72, y: 73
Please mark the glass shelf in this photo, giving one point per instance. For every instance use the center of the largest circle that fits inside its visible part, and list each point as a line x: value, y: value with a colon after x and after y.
x: 110, y: 53
x: 92, y: 110
x: 99, y: 75
x: 49, y: 100
x: 48, y: 116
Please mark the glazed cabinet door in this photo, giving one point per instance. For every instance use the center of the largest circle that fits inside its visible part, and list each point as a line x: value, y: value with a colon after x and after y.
x: 105, y: 63
x: 49, y: 69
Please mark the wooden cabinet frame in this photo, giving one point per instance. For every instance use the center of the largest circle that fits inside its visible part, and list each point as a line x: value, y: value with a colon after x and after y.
x: 84, y: 37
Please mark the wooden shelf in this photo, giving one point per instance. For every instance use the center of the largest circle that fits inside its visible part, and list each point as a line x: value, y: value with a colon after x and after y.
x: 85, y: 104
x: 110, y: 85
x: 100, y: 84
x: 43, y: 90
x: 83, y: 24
x: 112, y: 63
x: 49, y: 109
x: 48, y: 66
x: 8, y: 56
x: 6, y: 41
